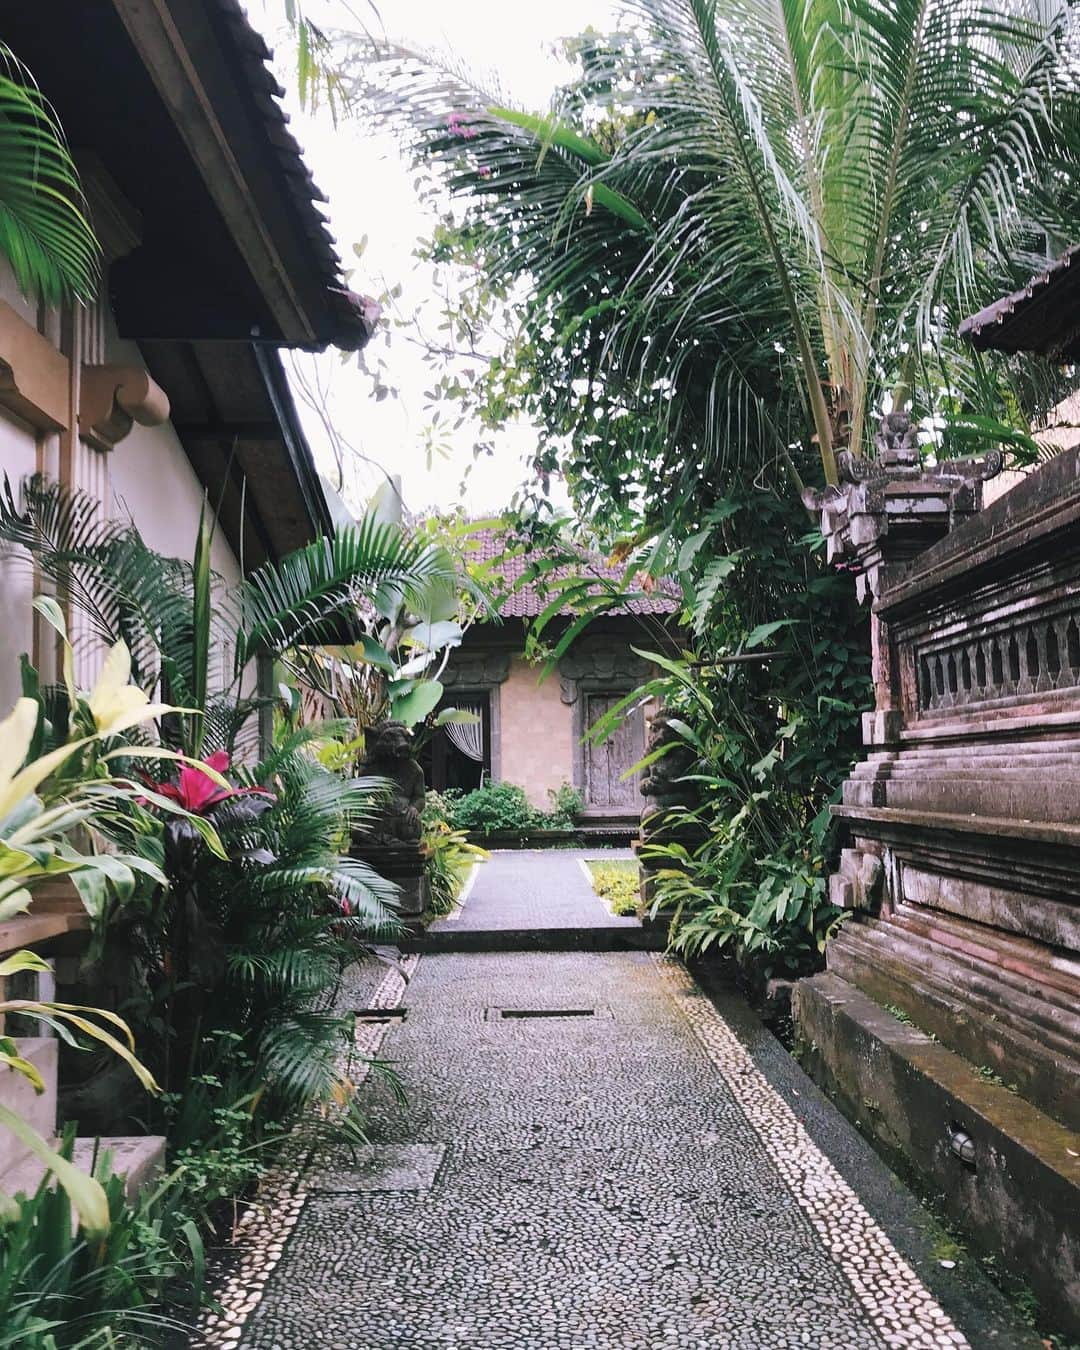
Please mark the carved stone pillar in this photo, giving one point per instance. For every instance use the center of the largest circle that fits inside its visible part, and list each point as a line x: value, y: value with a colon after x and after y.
x: 887, y: 511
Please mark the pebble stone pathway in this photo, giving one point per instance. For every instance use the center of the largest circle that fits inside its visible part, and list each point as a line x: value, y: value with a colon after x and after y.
x: 622, y: 1180
x: 522, y: 889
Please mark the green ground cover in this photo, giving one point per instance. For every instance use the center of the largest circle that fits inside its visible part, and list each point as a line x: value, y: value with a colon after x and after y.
x: 616, y: 882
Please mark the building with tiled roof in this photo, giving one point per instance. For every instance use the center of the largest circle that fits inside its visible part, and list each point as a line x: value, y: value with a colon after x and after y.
x: 531, y: 730
x: 166, y: 388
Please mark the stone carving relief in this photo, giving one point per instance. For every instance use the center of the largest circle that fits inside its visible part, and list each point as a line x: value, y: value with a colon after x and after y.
x: 600, y: 661
x: 858, y: 884
x: 894, y: 491
x: 1006, y: 660
x: 476, y: 669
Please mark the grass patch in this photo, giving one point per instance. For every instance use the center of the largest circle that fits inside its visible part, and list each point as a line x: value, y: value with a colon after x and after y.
x: 616, y: 883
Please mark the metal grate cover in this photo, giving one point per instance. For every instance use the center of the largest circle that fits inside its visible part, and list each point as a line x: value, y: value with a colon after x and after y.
x: 545, y: 1014
x: 379, y: 1015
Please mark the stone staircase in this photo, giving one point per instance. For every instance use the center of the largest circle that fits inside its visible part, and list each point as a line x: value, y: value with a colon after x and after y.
x: 138, y: 1158
x: 56, y: 929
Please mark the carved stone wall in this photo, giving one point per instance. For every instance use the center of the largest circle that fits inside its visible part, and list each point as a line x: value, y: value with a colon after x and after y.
x: 480, y: 669
x: 963, y: 871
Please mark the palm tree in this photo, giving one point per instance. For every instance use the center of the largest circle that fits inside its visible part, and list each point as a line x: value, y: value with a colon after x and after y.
x: 44, y: 232
x: 761, y: 220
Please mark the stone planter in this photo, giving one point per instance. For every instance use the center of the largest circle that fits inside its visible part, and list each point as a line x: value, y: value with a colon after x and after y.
x: 57, y: 897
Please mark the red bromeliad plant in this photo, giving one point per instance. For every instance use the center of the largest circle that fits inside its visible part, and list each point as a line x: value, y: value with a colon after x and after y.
x: 207, y: 796
x: 197, y: 791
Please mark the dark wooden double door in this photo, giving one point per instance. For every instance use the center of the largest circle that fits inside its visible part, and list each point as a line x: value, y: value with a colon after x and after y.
x: 606, y: 790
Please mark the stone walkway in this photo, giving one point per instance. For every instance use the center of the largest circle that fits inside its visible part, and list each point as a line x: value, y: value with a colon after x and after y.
x: 523, y: 889
x: 647, y: 1175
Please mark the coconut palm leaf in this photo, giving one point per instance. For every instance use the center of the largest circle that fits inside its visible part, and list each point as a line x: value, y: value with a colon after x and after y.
x: 171, y: 613
x: 293, y: 601
x: 44, y: 232
x: 827, y: 185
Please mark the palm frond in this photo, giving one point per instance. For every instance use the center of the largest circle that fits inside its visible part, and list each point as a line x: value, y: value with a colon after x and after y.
x: 44, y: 231
x: 825, y: 185
x: 302, y: 1056
x: 296, y: 600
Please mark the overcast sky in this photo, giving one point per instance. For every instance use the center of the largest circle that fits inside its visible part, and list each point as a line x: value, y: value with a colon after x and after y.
x: 371, y: 194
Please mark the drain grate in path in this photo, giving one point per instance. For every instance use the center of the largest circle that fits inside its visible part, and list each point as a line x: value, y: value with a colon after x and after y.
x: 542, y: 1014
x: 380, y: 1015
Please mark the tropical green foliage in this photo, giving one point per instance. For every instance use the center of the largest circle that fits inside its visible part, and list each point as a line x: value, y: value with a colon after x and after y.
x: 764, y: 707
x: 64, y: 1289
x: 747, y: 226
x: 173, y: 615
x: 44, y: 232
x: 257, y: 942
x: 232, y: 904
x: 46, y: 791
x: 449, y: 857
x: 411, y: 629
x: 503, y: 808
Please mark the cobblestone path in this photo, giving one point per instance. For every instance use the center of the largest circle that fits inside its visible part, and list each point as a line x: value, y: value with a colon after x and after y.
x: 643, y: 1176
x: 520, y: 889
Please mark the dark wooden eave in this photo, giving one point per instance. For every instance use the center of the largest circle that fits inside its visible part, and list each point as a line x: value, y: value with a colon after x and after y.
x: 228, y: 258
x: 234, y: 414
x: 1042, y: 317
x: 176, y: 99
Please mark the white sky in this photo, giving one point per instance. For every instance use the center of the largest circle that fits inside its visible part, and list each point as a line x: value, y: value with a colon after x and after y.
x: 371, y: 193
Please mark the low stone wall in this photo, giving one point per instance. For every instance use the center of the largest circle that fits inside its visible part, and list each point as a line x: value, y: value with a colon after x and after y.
x: 919, y: 1102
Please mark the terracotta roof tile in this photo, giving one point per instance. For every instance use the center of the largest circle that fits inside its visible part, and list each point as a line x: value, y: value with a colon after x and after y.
x: 352, y: 317
x: 491, y: 546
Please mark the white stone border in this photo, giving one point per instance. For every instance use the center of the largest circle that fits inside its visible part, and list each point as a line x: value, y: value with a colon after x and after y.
x: 466, y: 891
x: 266, y: 1224
x: 898, y: 1305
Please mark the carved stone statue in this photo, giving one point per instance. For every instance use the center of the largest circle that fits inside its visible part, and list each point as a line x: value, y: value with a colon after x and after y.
x: 897, y: 441
x: 659, y: 781
x: 390, y: 842
x: 389, y: 755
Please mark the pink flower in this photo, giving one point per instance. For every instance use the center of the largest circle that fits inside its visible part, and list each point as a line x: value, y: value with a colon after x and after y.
x: 197, y: 791
x: 457, y: 126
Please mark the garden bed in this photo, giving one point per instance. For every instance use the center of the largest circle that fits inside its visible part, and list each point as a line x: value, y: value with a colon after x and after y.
x: 617, y: 881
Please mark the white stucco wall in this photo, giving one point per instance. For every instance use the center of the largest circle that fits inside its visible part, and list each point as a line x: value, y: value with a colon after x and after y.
x: 18, y: 458
x: 152, y: 481
x: 147, y: 477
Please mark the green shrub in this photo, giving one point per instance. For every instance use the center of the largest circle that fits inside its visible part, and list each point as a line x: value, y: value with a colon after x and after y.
x: 618, y: 884
x: 495, y: 807
x: 567, y: 804
x: 498, y: 807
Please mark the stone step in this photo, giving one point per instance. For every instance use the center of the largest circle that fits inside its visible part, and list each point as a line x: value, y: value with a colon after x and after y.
x: 140, y: 1159
x: 38, y: 1109
x: 455, y: 938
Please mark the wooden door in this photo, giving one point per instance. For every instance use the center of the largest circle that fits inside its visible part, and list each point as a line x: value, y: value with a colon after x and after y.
x: 605, y: 764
